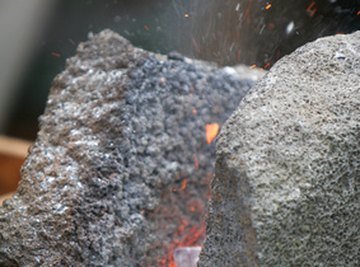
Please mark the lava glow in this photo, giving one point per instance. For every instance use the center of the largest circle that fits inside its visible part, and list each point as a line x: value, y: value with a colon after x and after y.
x: 192, y: 238
x: 184, y: 223
x: 212, y: 130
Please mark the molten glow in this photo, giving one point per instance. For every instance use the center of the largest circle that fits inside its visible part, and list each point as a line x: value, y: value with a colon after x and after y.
x: 212, y: 129
x: 183, y: 184
x: 192, y: 238
x: 187, y: 223
x: 268, y: 6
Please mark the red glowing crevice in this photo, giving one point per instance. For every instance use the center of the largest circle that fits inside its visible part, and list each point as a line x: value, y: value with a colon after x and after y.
x: 194, y: 237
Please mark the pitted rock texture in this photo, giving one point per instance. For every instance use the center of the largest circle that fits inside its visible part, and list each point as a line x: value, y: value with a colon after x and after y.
x: 122, y: 128
x: 286, y: 188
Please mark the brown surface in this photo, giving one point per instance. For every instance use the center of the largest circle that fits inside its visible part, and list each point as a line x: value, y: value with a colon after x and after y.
x: 4, y: 197
x: 9, y: 173
x: 12, y: 155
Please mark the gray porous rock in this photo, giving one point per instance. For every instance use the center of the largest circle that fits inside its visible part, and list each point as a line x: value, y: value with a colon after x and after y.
x: 287, y: 178
x: 104, y: 184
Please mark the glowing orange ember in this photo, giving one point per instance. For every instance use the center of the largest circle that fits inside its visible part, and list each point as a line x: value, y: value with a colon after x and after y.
x: 183, y: 184
x: 192, y: 238
x: 192, y: 208
x: 184, y: 224
x: 358, y: 13
x: 268, y: 6
x: 212, y: 129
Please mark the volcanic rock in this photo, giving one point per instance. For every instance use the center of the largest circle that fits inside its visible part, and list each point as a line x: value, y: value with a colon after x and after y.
x: 118, y: 175
x: 287, y: 186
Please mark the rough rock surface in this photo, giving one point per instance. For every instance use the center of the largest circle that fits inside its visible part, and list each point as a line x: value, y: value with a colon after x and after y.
x: 287, y: 179
x: 121, y: 131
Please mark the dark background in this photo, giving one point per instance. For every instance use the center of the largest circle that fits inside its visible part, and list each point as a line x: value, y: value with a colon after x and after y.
x: 227, y: 32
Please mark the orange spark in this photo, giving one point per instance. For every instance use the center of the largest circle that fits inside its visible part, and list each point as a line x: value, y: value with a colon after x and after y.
x: 195, y: 234
x: 55, y: 54
x: 311, y: 9
x: 212, y: 129
x: 183, y: 184
x: 183, y: 224
x: 247, y: 12
x: 268, y: 6
x: 253, y: 66
x: 358, y: 13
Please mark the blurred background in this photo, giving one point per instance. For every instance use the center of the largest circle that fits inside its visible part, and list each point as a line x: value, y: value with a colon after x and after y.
x: 36, y: 37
